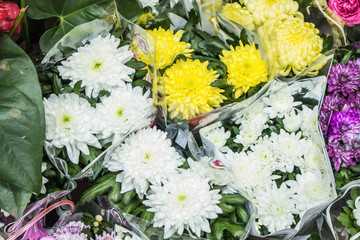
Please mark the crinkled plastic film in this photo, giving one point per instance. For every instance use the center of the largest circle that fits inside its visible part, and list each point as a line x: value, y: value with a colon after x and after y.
x: 306, y: 88
x: 335, y: 208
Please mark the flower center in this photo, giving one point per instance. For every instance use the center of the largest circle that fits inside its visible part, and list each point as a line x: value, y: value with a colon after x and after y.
x: 181, y: 198
x: 97, y: 65
x: 66, y: 119
x: 147, y: 157
x: 119, y: 112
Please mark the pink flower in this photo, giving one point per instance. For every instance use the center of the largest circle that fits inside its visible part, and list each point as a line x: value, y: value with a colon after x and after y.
x: 8, y: 14
x: 347, y: 10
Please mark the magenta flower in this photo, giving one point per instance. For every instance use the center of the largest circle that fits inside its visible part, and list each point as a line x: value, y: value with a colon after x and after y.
x: 343, y: 78
x: 340, y: 155
x: 344, y: 126
x: 354, y: 101
x: 333, y: 103
x: 347, y: 10
x: 356, y: 63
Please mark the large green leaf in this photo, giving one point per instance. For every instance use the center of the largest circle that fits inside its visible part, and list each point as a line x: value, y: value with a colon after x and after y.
x: 13, y: 199
x: 22, y: 124
x: 70, y: 14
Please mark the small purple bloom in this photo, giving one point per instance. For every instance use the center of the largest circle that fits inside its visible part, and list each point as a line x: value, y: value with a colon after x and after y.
x: 343, y: 78
x: 72, y: 228
x: 324, y: 119
x: 354, y: 101
x: 355, y: 147
x: 340, y: 156
x: 333, y: 103
x: 355, y: 64
x: 344, y: 126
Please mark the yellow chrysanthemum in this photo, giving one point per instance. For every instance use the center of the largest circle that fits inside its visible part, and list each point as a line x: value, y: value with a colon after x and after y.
x: 298, y: 44
x: 269, y: 9
x: 245, y: 67
x: 188, y: 90
x: 167, y: 47
x: 238, y: 14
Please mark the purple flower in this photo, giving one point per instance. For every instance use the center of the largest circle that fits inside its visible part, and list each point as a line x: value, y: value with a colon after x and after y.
x: 343, y: 78
x: 324, y: 122
x: 357, y: 45
x: 333, y: 103
x: 340, y: 156
x: 105, y: 236
x: 344, y: 126
x: 354, y: 101
x: 355, y: 147
x: 72, y: 228
x: 354, y: 64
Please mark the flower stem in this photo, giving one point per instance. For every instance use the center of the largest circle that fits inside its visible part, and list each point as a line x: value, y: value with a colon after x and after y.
x: 17, y: 21
x: 26, y: 26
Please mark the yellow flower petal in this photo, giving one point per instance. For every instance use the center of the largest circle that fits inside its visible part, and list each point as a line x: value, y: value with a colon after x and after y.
x: 188, y: 91
x: 245, y: 67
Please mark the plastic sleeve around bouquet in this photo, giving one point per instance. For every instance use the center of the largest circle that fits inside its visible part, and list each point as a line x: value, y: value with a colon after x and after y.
x: 336, y: 213
x: 32, y: 223
x: 111, y: 23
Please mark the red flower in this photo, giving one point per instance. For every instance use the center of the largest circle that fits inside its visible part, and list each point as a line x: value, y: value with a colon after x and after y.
x: 8, y: 14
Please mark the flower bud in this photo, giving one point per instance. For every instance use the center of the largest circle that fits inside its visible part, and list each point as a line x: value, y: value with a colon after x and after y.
x: 8, y: 14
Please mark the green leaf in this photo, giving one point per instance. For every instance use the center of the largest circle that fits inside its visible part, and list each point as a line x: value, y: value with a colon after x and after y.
x: 13, y: 199
x: 226, y: 208
x: 351, y: 204
x: 115, y: 195
x: 354, y: 194
x: 242, y: 214
x: 22, y: 125
x: 223, y: 224
x: 100, y: 187
x: 130, y: 9
x: 233, y: 199
x: 353, y: 231
x: 345, y: 220
x: 69, y: 14
x: 141, y: 83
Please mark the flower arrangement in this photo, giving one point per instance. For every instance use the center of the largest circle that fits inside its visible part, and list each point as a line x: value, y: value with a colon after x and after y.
x: 275, y: 154
x: 339, y: 117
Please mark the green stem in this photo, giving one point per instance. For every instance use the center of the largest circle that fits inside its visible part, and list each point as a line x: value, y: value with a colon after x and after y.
x: 17, y: 22
x: 26, y: 26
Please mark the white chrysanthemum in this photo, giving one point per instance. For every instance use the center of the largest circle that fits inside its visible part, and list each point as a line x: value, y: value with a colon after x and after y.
x: 311, y: 188
x: 263, y: 152
x: 309, y: 125
x: 279, y: 104
x: 69, y: 122
x: 356, y: 211
x: 99, y: 65
x: 254, y: 114
x: 217, y: 176
x: 145, y: 157
x: 275, y: 207
x: 248, y: 173
x: 185, y: 201
x: 314, y: 158
x: 292, y: 121
x: 217, y: 135
x: 288, y: 149
x: 124, y: 111
x: 249, y: 133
